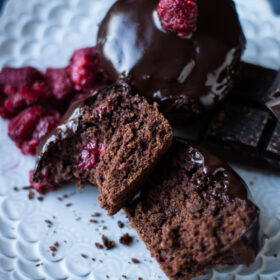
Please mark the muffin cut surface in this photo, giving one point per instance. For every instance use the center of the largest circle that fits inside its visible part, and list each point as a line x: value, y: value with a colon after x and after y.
x: 112, y: 139
x: 194, y: 213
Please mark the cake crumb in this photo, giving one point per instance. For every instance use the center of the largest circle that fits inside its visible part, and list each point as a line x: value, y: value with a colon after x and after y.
x: 96, y: 214
x: 134, y: 260
x: 56, y: 244
x: 69, y: 204
x: 40, y: 198
x: 49, y: 222
x: 251, y: 183
x: 53, y: 248
x: 124, y: 276
x: 84, y: 256
x: 31, y: 195
x: 140, y: 278
x: 15, y: 189
x: 93, y: 259
x: 109, y: 244
x: 27, y: 188
x: 126, y: 239
x: 98, y: 245
x: 93, y: 221
x: 120, y: 224
x: 59, y: 198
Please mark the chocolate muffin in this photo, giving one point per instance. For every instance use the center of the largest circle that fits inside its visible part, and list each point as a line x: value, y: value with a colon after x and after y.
x: 194, y: 213
x: 112, y: 139
x: 186, y: 75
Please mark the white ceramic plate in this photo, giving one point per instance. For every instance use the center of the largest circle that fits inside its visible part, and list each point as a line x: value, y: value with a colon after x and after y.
x: 44, y: 33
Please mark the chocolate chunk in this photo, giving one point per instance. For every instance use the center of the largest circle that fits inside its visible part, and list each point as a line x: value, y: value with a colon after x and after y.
x: 273, y: 147
x: 243, y: 129
x: 274, y: 107
x: 254, y: 84
x: 274, y: 103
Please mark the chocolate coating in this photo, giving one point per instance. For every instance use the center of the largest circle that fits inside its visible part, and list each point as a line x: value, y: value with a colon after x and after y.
x: 233, y: 184
x: 185, y: 75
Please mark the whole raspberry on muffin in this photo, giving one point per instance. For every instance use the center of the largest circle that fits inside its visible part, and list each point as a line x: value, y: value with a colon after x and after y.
x: 179, y: 16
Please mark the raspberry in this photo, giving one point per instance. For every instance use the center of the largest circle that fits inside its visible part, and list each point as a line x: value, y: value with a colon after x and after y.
x: 43, y: 128
x: 90, y: 154
x: 25, y: 95
x: 179, y: 16
x: 60, y: 83
x: 21, y: 127
x: 17, y: 77
x: 85, y: 71
x: 29, y: 127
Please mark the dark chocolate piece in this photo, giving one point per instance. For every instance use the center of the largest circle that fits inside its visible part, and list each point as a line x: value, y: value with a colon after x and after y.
x: 186, y: 76
x: 194, y: 213
x: 274, y: 107
x: 274, y: 103
x: 243, y: 129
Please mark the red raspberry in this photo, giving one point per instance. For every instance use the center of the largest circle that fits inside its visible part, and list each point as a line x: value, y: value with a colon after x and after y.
x: 17, y: 77
x: 43, y: 128
x: 21, y: 127
x: 179, y: 16
x: 90, y: 154
x: 25, y: 95
x: 85, y: 68
x: 60, y: 83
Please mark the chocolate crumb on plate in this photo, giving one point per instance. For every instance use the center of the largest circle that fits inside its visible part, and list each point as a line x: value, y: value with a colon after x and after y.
x: 27, y: 188
x: 120, y: 224
x: 69, y: 204
x: 109, y: 244
x: 16, y: 189
x: 53, y: 248
x: 126, y: 239
x: 31, y: 195
x: 96, y: 214
x: 134, y: 260
x: 99, y: 245
x: 40, y: 198
x: 84, y: 256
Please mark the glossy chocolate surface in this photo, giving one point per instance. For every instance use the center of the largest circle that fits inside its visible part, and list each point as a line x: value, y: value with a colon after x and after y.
x: 274, y: 103
x: 234, y: 186
x: 183, y: 74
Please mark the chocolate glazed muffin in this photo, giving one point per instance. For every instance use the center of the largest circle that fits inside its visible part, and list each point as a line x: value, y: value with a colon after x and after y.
x: 185, y: 75
x: 113, y: 140
x: 195, y: 213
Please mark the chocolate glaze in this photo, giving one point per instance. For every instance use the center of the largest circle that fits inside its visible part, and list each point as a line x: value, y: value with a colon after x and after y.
x: 185, y: 75
x: 233, y: 183
x: 69, y: 125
